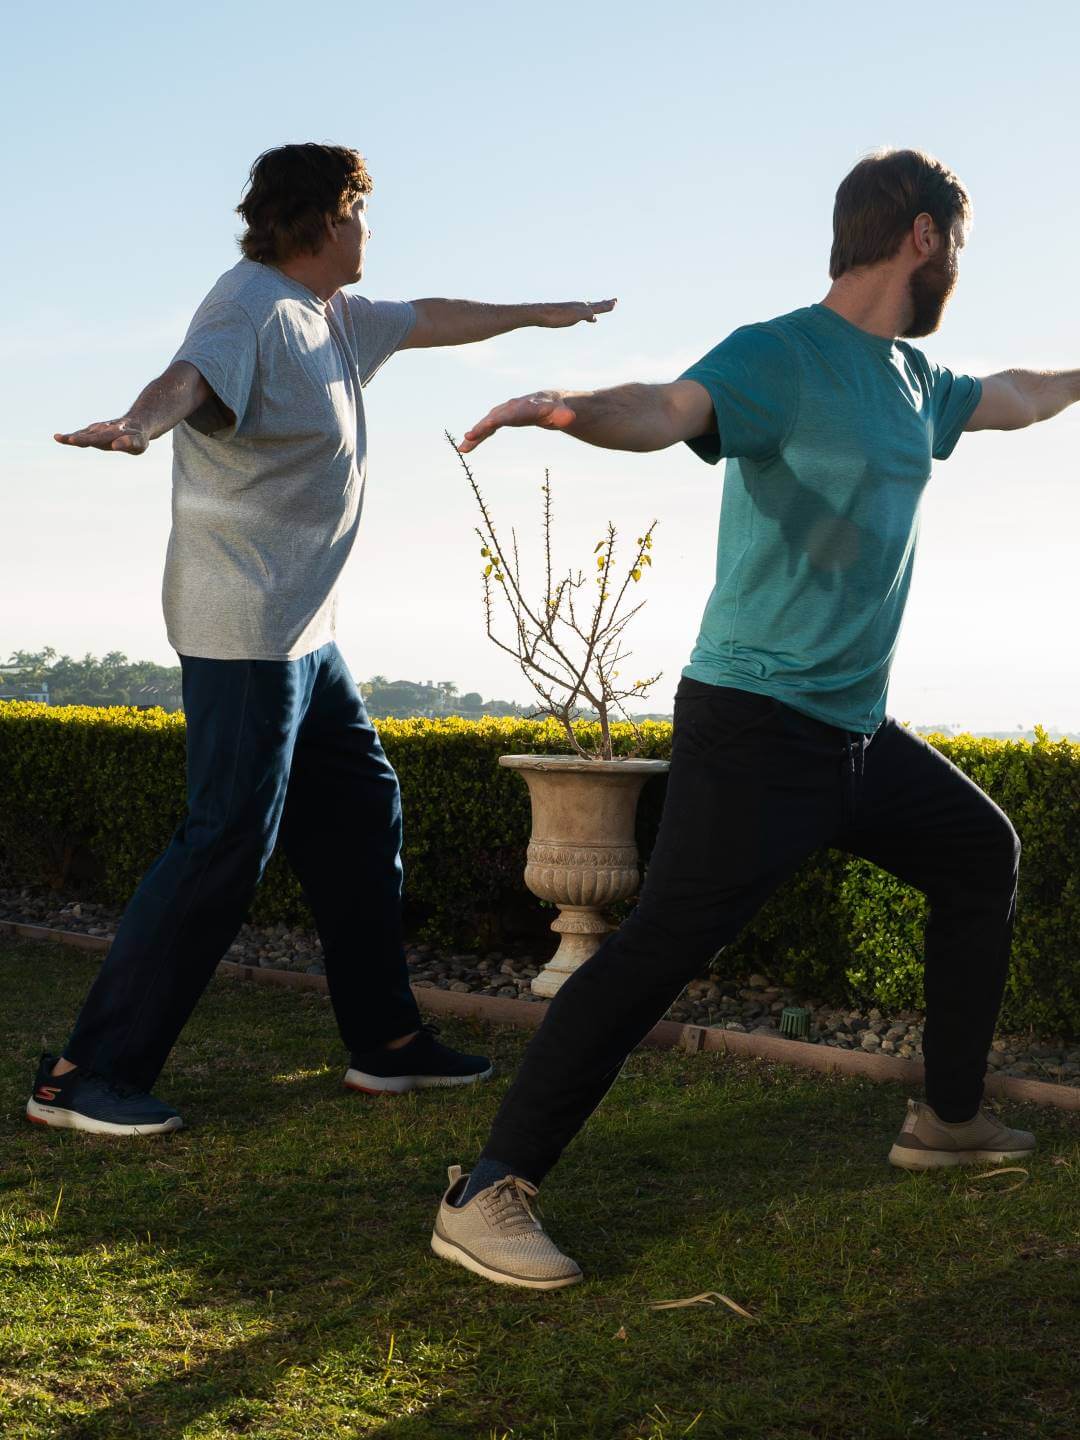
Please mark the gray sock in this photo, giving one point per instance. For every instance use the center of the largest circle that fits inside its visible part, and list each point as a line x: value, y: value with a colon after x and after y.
x: 485, y: 1173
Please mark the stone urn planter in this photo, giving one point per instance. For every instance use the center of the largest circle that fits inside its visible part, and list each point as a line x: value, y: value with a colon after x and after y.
x: 582, y: 852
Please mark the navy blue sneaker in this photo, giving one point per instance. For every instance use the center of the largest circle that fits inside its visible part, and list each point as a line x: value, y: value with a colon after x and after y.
x: 80, y: 1100
x: 422, y: 1063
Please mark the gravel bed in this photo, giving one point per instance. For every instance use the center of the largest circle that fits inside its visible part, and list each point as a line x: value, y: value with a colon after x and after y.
x: 752, y: 1007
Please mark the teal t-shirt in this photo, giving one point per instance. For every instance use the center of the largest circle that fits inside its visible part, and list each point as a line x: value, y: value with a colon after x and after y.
x: 828, y: 432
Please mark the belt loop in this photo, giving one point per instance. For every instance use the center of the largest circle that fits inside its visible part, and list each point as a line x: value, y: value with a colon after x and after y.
x: 861, y: 768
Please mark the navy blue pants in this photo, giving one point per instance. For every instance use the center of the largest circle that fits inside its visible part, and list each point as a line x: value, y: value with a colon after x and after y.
x: 754, y: 789
x: 272, y: 746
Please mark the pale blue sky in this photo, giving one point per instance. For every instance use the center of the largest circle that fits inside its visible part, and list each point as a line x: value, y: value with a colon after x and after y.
x: 683, y: 157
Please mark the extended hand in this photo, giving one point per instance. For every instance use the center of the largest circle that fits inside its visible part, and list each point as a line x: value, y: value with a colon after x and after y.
x: 571, y: 312
x: 545, y: 408
x: 125, y: 435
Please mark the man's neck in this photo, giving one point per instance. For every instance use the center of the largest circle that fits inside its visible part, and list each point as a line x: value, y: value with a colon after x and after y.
x: 877, y: 302
x: 307, y: 270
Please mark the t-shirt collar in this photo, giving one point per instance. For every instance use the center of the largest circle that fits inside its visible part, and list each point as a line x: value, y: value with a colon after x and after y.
x: 882, y: 343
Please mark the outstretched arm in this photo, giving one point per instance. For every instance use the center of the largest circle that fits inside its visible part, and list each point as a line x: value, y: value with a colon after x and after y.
x: 172, y: 397
x: 1015, y: 398
x: 460, y: 322
x: 627, y: 417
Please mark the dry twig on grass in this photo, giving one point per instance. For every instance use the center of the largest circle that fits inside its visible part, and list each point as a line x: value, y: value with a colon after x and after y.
x: 993, y: 1175
x: 707, y: 1297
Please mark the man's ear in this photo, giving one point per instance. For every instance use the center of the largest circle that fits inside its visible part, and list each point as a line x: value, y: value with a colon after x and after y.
x: 924, y: 234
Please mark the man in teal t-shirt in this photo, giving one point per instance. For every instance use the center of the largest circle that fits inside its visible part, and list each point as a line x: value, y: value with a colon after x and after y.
x: 829, y: 423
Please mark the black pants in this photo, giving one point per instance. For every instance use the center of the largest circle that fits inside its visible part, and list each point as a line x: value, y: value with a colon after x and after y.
x: 271, y: 746
x: 754, y: 789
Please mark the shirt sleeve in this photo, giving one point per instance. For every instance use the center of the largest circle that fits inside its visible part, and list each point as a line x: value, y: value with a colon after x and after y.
x: 379, y: 327
x: 753, y: 386
x: 222, y: 345
x: 953, y: 399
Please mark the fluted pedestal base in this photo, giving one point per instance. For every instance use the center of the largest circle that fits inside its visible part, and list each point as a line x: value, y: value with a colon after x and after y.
x: 582, y: 930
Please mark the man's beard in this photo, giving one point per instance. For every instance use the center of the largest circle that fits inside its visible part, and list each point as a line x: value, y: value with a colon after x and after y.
x: 930, y: 288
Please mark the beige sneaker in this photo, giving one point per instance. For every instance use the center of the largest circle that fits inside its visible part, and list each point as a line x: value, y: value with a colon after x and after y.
x: 925, y: 1142
x: 497, y: 1235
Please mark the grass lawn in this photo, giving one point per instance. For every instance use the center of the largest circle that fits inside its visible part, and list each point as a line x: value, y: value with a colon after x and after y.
x: 266, y: 1271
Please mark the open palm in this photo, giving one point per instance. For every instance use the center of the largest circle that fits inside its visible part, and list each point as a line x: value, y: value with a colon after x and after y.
x: 545, y: 408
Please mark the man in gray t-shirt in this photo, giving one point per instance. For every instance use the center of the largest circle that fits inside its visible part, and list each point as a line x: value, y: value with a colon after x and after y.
x: 265, y: 400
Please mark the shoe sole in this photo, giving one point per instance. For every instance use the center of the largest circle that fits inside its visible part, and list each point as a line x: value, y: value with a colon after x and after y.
x: 457, y: 1256
x: 59, y: 1119
x: 401, y: 1084
x: 905, y: 1159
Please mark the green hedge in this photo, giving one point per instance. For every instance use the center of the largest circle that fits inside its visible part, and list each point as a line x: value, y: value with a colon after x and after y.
x: 89, y: 796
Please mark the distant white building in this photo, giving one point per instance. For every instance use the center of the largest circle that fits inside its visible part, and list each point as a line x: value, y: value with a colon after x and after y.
x: 38, y: 693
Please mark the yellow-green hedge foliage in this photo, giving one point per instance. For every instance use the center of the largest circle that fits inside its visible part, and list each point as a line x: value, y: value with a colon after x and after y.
x: 89, y: 796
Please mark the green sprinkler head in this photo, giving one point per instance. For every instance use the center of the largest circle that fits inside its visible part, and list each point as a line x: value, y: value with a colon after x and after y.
x: 795, y: 1022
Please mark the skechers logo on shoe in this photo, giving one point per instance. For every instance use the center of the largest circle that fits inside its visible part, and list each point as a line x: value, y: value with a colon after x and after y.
x: 48, y: 1092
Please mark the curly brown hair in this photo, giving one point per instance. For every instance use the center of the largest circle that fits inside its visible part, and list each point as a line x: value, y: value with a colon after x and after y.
x: 292, y: 192
x: 878, y: 201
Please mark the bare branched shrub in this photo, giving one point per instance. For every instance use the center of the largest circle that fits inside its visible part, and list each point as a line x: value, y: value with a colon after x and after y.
x: 569, y: 641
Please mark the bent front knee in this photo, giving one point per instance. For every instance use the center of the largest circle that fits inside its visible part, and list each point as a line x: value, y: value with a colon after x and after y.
x: 995, y: 865
x: 1008, y: 849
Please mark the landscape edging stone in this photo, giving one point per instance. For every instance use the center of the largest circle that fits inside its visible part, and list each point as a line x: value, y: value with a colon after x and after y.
x: 665, y: 1035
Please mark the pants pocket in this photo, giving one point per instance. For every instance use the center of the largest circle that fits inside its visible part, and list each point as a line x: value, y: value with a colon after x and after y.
x: 709, y: 716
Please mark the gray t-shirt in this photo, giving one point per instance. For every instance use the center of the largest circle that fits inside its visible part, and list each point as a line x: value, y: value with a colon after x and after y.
x: 265, y: 511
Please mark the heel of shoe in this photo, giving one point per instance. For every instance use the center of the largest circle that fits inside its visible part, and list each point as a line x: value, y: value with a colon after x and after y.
x: 39, y: 1114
